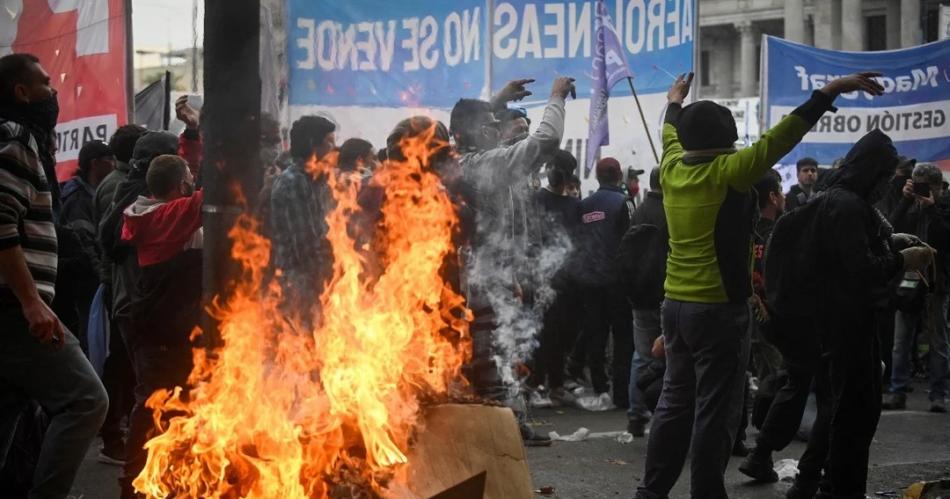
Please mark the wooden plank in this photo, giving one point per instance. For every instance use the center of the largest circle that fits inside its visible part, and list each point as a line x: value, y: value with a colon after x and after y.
x: 457, y: 442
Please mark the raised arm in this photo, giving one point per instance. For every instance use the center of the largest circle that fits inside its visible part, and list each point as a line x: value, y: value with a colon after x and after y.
x: 745, y: 167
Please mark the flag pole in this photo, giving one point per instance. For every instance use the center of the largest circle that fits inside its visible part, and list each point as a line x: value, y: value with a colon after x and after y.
x: 643, y: 118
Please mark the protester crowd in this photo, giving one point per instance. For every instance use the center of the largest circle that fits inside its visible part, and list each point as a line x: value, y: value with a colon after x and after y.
x: 720, y: 301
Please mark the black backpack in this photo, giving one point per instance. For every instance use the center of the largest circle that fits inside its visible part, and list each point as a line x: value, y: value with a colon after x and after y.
x: 641, y: 259
x: 791, y: 275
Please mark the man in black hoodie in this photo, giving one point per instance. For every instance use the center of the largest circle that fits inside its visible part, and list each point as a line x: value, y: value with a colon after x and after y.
x: 855, y: 260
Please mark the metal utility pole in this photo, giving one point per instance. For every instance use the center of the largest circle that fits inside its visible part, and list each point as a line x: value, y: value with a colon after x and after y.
x: 194, y: 46
x: 231, y: 173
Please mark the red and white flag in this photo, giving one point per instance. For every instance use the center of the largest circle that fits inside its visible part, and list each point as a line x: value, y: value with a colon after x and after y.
x: 82, y: 45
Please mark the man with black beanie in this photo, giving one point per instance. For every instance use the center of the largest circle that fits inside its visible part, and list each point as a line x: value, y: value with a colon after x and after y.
x: 710, y: 212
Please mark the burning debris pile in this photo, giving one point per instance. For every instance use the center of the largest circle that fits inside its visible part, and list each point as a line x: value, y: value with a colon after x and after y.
x: 285, y: 410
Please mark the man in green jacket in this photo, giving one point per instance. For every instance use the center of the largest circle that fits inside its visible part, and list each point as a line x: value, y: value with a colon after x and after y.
x: 710, y: 213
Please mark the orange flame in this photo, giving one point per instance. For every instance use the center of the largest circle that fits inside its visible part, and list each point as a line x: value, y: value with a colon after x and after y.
x: 282, y: 411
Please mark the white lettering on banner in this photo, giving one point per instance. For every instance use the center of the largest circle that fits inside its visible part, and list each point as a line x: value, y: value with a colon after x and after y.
x: 371, y: 45
x: 645, y: 24
x: 914, y: 122
x: 411, y: 43
x: 429, y: 29
x: 918, y: 77
x: 72, y: 135
x: 306, y: 43
x: 530, y: 40
x: 557, y: 49
x: 92, y: 28
x: 580, y: 29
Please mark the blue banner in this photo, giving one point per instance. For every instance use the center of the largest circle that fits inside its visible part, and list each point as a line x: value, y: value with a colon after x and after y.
x: 543, y: 40
x: 423, y: 53
x: 913, y: 111
x: 385, y: 53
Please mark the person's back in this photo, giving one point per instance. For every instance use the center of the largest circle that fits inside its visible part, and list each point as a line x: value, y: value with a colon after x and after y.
x: 165, y: 231
x: 710, y: 211
x: 604, y: 217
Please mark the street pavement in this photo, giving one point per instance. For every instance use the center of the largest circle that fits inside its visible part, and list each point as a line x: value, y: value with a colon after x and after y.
x: 910, y: 446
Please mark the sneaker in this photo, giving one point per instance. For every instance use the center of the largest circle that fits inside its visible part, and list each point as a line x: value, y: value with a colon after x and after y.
x: 532, y: 438
x: 114, y: 457
x: 894, y: 402
x: 539, y: 399
x: 759, y: 467
x: 637, y: 426
x: 938, y: 406
x: 596, y: 403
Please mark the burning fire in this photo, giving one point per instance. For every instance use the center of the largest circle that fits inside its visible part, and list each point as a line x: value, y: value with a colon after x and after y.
x: 282, y: 410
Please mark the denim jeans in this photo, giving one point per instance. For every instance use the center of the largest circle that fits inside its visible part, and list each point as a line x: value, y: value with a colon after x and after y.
x: 65, y: 385
x: 707, y: 351
x: 935, y: 331
x: 646, y: 329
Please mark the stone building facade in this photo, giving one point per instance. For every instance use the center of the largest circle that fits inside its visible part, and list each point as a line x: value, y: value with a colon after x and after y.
x: 731, y: 33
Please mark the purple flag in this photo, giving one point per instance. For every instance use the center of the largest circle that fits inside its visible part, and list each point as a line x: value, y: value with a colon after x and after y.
x: 610, y: 66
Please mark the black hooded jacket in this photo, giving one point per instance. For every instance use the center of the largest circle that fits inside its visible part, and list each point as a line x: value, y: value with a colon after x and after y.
x: 858, y: 262
x: 834, y: 253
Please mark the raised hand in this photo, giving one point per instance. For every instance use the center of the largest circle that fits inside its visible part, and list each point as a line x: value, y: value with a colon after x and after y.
x: 186, y: 113
x: 563, y: 86
x: 514, y: 90
x: 858, y: 81
x: 680, y: 88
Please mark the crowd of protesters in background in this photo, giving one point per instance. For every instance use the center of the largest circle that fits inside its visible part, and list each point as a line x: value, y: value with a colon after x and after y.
x: 656, y: 278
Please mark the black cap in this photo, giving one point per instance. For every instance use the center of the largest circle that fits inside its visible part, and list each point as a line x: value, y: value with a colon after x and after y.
x: 633, y: 172
x: 706, y: 125
x: 92, y: 150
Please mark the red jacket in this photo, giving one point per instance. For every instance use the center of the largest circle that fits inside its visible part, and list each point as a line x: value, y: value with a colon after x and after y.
x: 161, y: 230
x: 189, y: 148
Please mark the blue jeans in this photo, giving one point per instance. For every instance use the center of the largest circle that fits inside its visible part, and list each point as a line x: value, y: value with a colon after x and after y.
x: 646, y: 329
x: 65, y: 385
x: 935, y: 329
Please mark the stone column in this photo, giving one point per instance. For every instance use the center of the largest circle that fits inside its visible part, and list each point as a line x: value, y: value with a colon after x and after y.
x: 893, y: 14
x: 852, y: 25
x: 823, y: 25
x: 747, y: 76
x: 910, y: 23
x: 795, y: 20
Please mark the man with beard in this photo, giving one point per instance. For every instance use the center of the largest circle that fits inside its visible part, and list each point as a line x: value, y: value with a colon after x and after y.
x: 39, y: 358
x: 490, y: 172
x: 838, y: 258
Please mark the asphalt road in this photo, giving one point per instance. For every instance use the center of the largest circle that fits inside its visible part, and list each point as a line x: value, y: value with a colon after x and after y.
x: 910, y: 446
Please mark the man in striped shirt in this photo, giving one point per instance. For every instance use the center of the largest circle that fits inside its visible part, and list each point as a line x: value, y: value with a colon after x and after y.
x: 39, y: 358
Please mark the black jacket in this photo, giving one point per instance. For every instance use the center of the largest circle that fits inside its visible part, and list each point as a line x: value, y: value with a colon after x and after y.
x: 795, y: 197
x: 651, y: 261
x: 604, y: 218
x: 856, y: 265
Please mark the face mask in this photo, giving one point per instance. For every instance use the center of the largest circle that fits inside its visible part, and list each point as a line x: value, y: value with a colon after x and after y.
x: 634, y: 191
x: 44, y: 113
